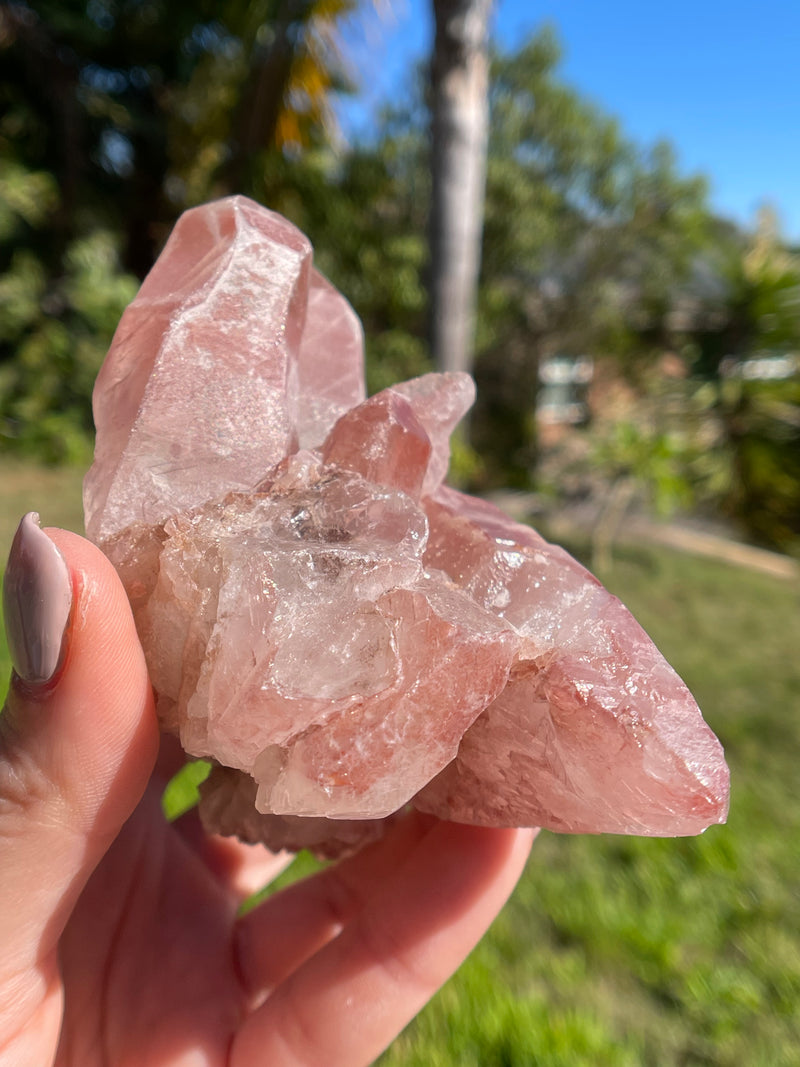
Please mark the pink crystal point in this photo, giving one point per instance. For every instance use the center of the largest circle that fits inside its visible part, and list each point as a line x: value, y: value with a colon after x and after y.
x: 382, y: 440
x: 339, y: 632
x: 594, y: 731
x: 330, y: 363
x: 440, y: 401
x: 215, y: 329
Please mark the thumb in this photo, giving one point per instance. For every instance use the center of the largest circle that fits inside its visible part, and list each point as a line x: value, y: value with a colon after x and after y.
x: 78, y: 740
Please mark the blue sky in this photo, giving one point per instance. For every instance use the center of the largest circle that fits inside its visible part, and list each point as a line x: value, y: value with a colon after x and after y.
x: 721, y: 81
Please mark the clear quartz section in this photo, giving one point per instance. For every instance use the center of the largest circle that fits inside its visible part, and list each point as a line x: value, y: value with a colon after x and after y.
x: 341, y: 633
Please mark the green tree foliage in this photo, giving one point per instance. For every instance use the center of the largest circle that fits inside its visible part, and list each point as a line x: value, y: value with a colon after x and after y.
x: 586, y: 238
x: 58, y: 329
x: 114, y: 116
x: 366, y: 214
x: 143, y: 108
x: 61, y: 296
x: 753, y: 313
x: 117, y: 114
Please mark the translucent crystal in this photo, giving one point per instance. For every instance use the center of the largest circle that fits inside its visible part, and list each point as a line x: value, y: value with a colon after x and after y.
x: 338, y: 631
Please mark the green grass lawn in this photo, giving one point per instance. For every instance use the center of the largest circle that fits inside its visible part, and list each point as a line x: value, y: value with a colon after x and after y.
x: 625, y: 951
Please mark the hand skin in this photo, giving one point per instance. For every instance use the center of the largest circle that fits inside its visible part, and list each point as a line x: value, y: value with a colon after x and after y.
x: 120, y: 944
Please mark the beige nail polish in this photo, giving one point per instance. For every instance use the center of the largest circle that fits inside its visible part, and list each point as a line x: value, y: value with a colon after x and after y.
x: 37, y: 600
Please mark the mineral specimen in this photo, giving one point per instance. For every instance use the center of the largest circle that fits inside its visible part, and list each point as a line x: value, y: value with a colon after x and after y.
x: 338, y: 631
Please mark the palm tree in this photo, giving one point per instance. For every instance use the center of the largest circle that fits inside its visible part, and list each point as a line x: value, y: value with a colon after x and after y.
x: 459, y: 88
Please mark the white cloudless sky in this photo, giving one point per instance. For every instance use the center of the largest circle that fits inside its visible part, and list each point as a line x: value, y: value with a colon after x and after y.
x: 720, y: 81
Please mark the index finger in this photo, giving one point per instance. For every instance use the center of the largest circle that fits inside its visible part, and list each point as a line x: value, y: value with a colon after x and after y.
x: 346, y: 1004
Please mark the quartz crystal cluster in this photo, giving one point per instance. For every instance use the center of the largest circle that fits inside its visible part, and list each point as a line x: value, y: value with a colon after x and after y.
x: 338, y: 631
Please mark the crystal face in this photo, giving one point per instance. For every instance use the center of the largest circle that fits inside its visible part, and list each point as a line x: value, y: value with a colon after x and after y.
x: 341, y: 633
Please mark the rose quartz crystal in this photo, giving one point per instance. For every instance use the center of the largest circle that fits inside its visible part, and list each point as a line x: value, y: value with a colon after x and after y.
x: 340, y: 633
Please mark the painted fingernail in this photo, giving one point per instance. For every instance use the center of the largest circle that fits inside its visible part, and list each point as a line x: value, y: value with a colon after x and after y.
x: 37, y: 599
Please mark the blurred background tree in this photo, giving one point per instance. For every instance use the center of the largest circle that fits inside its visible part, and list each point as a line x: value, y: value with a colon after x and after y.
x: 459, y: 106
x: 586, y: 238
x: 754, y: 311
x: 115, y: 115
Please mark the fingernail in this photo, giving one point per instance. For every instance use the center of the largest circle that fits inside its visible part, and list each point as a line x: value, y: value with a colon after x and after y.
x: 37, y: 599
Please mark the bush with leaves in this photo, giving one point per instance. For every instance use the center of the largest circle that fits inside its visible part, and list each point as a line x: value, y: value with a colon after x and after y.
x: 54, y: 334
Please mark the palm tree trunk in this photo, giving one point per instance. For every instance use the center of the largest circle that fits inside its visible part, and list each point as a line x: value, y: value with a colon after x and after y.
x: 459, y: 133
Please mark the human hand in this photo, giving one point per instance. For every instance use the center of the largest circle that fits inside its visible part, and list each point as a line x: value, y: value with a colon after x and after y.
x: 120, y: 939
